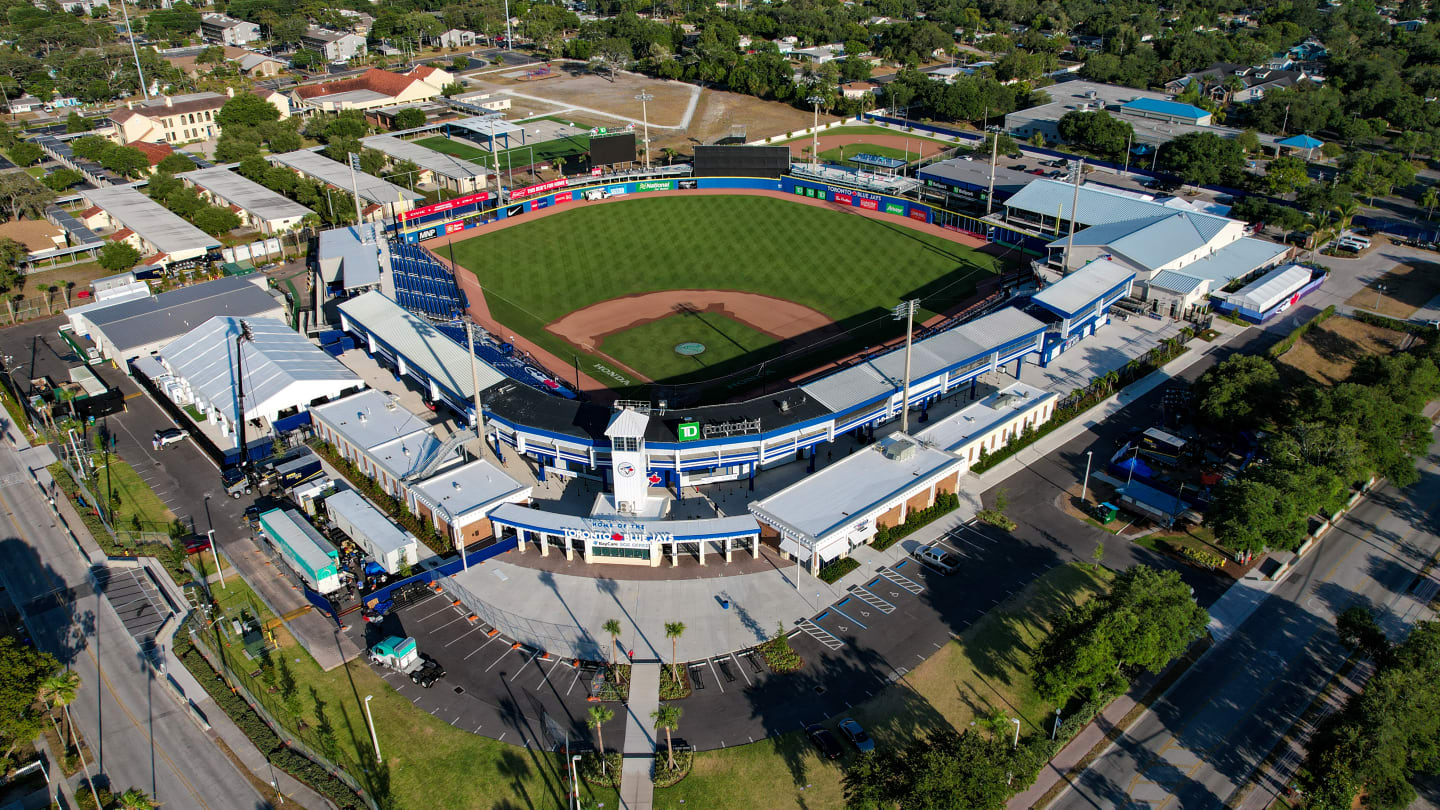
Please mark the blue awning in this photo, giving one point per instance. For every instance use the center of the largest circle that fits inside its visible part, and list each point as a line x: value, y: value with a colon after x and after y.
x: 1302, y: 142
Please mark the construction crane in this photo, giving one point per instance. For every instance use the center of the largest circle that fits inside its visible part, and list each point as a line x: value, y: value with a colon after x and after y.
x: 244, y: 478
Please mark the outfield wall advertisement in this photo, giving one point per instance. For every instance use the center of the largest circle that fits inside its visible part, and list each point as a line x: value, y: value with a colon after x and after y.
x: 868, y: 200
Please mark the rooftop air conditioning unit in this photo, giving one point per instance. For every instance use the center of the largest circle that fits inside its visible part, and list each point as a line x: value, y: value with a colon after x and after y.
x: 897, y: 449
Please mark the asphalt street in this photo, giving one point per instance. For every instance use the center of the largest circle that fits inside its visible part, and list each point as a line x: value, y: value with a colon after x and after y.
x: 137, y: 732
x: 1203, y: 740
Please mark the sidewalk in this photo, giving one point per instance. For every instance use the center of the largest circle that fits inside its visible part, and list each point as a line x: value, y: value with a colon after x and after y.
x: 637, y: 785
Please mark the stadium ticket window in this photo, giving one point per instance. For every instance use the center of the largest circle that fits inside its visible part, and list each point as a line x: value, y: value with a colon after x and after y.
x: 616, y: 552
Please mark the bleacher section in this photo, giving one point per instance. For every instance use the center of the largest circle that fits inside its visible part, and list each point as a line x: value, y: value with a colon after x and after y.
x: 505, y: 358
x: 423, y: 285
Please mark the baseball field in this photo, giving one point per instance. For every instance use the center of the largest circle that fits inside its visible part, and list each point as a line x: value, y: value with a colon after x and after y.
x: 697, y: 290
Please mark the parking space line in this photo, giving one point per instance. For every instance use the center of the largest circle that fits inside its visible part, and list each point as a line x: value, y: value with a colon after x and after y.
x: 482, y: 646
x: 463, y: 635
x: 523, y: 666
x: 837, y: 609
x: 573, y: 681
x: 719, y: 681
x: 743, y: 674
x: 545, y: 676
x: 497, y: 660
x: 434, y: 613
x: 426, y: 598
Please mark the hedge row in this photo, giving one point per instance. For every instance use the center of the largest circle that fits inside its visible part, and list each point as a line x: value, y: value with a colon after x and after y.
x: 887, y: 536
x: 287, y: 759
x: 834, y: 570
x: 1298, y: 332
x: 1391, y: 323
x: 392, y: 506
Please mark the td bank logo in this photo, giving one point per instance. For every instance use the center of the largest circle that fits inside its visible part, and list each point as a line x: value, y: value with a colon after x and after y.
x: 689, y: 431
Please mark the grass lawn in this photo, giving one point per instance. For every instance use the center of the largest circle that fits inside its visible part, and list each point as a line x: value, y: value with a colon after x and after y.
x: 987, y: 670
x: 853, y: 269
x: 643, y: 347
x: 518, y: 156
x: 431, y: 763
x: 839, y: 155
x: 136, y: 498
x: 1406, y: 289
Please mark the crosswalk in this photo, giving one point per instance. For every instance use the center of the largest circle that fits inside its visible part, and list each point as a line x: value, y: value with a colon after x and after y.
x: 821, y: 635
x: 871, y: 599
x: 900, y: 579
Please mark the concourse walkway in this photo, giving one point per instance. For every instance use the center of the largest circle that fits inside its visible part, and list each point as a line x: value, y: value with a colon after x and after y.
x: 637, y: 783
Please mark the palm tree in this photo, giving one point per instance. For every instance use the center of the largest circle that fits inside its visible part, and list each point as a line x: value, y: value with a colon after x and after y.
x: 612, y: 627
x: 1429, y: 200
x: 667, y: 718
x: 673, y: 631
x: 599, y: 716
x: 1318, y: 227
x: 1232, y: 84
x: 58, y: 691
x: 135, y: 799
x: 1346, y: 212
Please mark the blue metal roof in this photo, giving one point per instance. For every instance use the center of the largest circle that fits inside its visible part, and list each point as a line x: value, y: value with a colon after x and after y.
x: 1097, y: 206
x: 1236, y: 259
x: 1302, y: 142
x: 1176, y: 282
x: 1157, y: 240
x: 1175, y: 108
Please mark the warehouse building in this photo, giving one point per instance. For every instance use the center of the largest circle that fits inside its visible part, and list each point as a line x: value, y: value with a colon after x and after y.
x: 140, y: 327
x: 258, y: 206
x: 384, y: 441
x: 283, y: 373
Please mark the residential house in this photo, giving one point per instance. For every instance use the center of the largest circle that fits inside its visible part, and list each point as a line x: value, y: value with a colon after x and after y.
x: 857, y: 90
x: 175, y: 119
x: 218, y: 29
x: 358, y: 21
x: 86, y: 6
x: 374, y: 88
x: 335, y: 46
x: 454, y: 38
x: 250, y: 63
x: 25, y: 104
x: 1256, y: 81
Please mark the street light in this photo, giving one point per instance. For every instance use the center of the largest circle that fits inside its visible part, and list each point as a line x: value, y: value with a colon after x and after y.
x: 1016, y: 721
x: 1085, y: 487
x: 815, y: 130
x: 906, y: 310
x: 1056, y: 730
x: 575, y: 777
x: 643, y: 98
x: 1379, y: 288
x: 215, y: 551
x: 370, y: 721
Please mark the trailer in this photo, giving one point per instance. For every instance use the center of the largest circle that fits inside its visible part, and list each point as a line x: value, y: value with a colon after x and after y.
x: 311, y: 556
x: 292, y: 471
x: 402, y: 656
x: 384, y: 542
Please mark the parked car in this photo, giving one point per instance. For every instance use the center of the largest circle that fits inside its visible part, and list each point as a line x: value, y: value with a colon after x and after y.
x: 165, y: 438
x: 1036, y: 171
x: 938, y: 558
x: 197, y: 543
x: 857, y: 736
x: 824, y: 740
x: 1018, y: 167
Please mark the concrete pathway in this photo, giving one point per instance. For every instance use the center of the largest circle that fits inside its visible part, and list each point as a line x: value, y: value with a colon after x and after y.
x: 637, y: 784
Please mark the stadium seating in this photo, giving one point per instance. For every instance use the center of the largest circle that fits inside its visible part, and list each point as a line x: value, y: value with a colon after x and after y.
x: 513, y: 363
x: 423, y: 285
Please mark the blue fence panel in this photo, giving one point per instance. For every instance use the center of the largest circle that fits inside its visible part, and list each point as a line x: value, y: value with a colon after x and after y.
x: 449, y: 567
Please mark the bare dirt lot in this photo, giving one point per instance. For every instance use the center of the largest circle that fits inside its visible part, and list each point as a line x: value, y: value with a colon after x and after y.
x: 714, y: 114
x: 1405, y: 289
x: 1328, y: 352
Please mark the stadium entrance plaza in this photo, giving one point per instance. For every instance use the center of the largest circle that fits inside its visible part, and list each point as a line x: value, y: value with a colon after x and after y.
x: 560, y: 606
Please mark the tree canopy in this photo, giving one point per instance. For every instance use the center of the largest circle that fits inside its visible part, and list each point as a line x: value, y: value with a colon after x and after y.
x: 1203, y: 158
x: 938, y: 772
x: 22, y: 669
x: 1097, y: 132
x: 246, y: 109
x: 118, y: 257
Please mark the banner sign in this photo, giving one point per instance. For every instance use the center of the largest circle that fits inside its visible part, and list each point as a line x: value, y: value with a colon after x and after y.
x: 732, y: 428
x: 895, y: 208
x: 916, y: 213
x: 689, y: 184
x: 689, y: 431
x: 538, y: 188
x: 452, y: 227
x: 447, y: 205
x: 844, y: 198
x: 595, y: 172
x: 655, y: 185
x: 564, y: 196
x: 619, y: 534
x: 869, y: 205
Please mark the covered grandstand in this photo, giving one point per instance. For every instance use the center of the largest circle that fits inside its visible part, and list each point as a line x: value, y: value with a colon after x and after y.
x: 422, y: 285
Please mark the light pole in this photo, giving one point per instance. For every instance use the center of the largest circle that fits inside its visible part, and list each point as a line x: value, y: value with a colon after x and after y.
x: 1079, y: 168
x: 216, y: 552
x: 1379, y: 288
x: 1085, y: 486
x: 370, y: 721
x: 815, y: 100
x: 644, y: 99
x: 575, y: 777
x: 1016, y: 721
x: 906, y: 310
x: 994, y: 157
x: 1056, y: 730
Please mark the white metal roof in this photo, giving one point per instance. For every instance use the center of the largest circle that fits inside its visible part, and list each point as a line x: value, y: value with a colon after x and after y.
x: 379, y: 530
x: 458, y: 491
x: 556, y: 523
x: 155, y: 223
x: 979, y: 418
x: 848, y: 491
x: 628, y: 423
x: 261, y: 202
x: 1272, y: 288
x: 490, y: 126
x: 884, y: 374
x: 354, y: 254
x: 288, y: 527
x: 371, y: 188
x: 1097, y: 205
x: 437, y: 162
x: 423, y: 347
x: 394, y: 438
x: 278, y: 364
x: 1082, y: 288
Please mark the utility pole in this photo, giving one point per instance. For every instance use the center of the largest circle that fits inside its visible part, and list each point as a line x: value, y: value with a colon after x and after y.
x: 136, y: 51
x: 1078, y: 167
x: 479, y: 414
x: 906, y: 310
x: 1125, y: 172
x: 509, y: 40
x: 815, y: 131
x: 644, y: 98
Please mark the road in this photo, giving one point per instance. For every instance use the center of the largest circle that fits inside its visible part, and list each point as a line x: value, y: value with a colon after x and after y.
x: 138, y: 735
x: 1203, y: 740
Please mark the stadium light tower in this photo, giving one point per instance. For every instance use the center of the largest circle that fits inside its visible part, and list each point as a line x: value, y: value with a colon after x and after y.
x: 816, y: 100
x: 644, y: 98
x: 905, y: 311
x: 1077, y: 170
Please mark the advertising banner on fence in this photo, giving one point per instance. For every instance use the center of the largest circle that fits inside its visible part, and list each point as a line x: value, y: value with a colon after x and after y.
x: 870, y: 205
x: 564, y: 196
x: 918, y: 214
x: 655, y: 185
x: 538, y: 188
x: 447, y: 205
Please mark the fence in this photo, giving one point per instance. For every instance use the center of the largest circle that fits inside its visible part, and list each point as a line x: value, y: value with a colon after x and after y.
x: 562, y: 639
x: 305, y: 748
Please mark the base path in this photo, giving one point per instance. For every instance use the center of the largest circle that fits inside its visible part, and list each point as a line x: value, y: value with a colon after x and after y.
x: 637, y: 779
x: 776, y: 317
x: 918, y: 146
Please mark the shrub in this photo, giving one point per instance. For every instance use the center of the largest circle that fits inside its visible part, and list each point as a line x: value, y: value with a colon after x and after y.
x: 779, y: 655
x: 664, y: 777
x: 1391, y: 323
x: 885, y: 536
x: 1203, y: 557
x: 592, y: 772
x: 832, y: 572
x: 1299, y: 331
x: 996, y: 518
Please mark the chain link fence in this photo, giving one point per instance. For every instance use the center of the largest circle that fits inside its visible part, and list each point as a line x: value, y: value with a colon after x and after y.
x: 565, y: 640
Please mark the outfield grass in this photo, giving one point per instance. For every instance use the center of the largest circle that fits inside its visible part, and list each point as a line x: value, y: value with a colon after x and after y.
x: 851, y: 268
x: 643, y: 348
x: 986, y: 670
x: 431, y: 763
x: 840, y: 155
